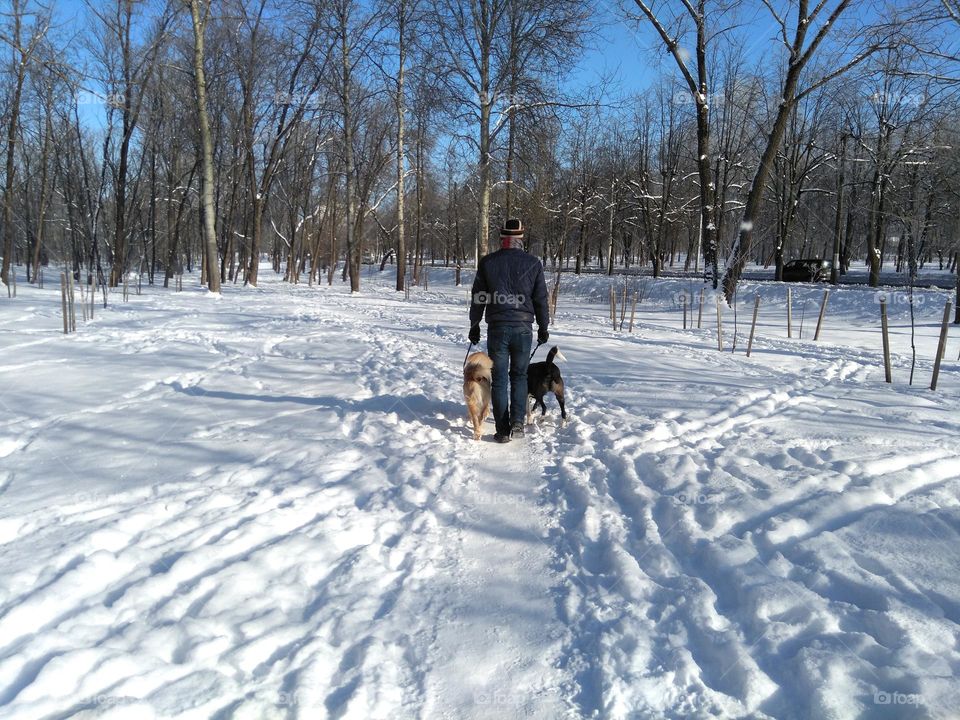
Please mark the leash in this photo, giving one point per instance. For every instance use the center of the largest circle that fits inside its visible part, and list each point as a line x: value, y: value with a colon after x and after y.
x: 535, y: 350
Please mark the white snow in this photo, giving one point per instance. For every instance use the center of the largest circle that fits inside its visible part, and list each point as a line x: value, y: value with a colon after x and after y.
x: 272, y: 506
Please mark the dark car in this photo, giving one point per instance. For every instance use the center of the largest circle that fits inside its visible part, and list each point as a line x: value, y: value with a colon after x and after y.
x: 807, y: 270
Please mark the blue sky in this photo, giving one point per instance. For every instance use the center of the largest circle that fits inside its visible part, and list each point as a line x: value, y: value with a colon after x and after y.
x: 619, y: 55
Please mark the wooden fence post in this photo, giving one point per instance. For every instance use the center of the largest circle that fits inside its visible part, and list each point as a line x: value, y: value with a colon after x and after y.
x: 72, y: 303
x: 623, y: 305
x: 633, y: 310
x: 753, y: 325
x: 789, y: 312
x: 887, y: 372
x: 63, y: 302
x: 941, y: 347
x: 719, y: 326
x: 823, y: 310
x: 700, y: 311
x: 613, y: 308
x: 683, y: 305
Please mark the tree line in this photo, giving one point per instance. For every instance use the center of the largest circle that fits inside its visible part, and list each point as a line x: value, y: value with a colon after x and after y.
x: 158, y: 136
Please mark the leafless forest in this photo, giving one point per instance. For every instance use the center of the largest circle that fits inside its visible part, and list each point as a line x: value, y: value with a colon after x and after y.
x: 158, y: 137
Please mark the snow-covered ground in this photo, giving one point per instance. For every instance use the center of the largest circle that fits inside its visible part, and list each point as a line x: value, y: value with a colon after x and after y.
x: 269, y: 504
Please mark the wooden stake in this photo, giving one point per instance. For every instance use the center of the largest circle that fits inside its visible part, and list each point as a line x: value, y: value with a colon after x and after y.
x: 941, y: 348
x: 753, y: 325
x: 613, y: 308
x: 72, y: 304
x: 887, y: 372
x: 63, y: 302
x: 683, y: 305
x: 633, y: 310
x: 623, y: 304
x: 789, y: 312
x: 719, y: 326
x: 700, y: 311
x: 823, y: 310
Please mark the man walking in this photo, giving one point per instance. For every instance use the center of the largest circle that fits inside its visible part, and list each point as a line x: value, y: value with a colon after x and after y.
x: 510, y: 289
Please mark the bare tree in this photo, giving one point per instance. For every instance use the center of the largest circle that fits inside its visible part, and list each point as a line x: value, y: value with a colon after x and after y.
x: 199, y: 13
x: 811, y: 28
x: 697, y: 81
x: 24, y: 36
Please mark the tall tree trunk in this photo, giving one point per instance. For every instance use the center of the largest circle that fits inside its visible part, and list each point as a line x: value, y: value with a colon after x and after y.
x: 483, y: 218
x: 610, y: 217
x: 353, y: 249
x: 12, y: 121
x: 44, y: 193
x: 741, y: 249
x: 401, y: 113
x: 838, y: 219
x: 120, y: 191
x: 206, y: 142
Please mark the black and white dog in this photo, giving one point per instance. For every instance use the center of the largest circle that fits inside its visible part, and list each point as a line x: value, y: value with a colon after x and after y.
x: 544, y: 377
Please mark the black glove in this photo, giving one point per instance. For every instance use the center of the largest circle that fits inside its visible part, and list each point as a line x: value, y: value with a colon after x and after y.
x: 474, y: 335
x: 542, y: 335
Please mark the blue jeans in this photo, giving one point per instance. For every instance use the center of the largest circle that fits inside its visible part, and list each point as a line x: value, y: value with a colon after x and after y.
x: 509, y: 348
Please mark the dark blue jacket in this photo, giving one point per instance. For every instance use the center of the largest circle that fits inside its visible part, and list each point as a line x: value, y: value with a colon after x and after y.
x: 510, y: 287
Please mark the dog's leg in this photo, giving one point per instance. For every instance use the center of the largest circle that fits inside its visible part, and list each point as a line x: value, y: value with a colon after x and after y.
x: 529, y: 413
x: 558, y: 393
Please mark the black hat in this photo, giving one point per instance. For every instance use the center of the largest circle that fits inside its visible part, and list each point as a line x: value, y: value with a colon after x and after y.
x: 512, y: 228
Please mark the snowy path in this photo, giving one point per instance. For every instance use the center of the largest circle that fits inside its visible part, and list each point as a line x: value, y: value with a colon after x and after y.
x: 269, y: 505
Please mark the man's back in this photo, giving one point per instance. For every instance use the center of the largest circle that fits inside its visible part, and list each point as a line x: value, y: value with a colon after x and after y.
x: 510, y: 283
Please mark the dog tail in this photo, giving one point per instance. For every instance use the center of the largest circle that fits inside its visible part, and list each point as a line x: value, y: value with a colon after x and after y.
x: 552, y: 354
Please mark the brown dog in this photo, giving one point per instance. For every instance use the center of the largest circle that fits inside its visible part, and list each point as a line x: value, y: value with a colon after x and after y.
x: 476, y: 389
